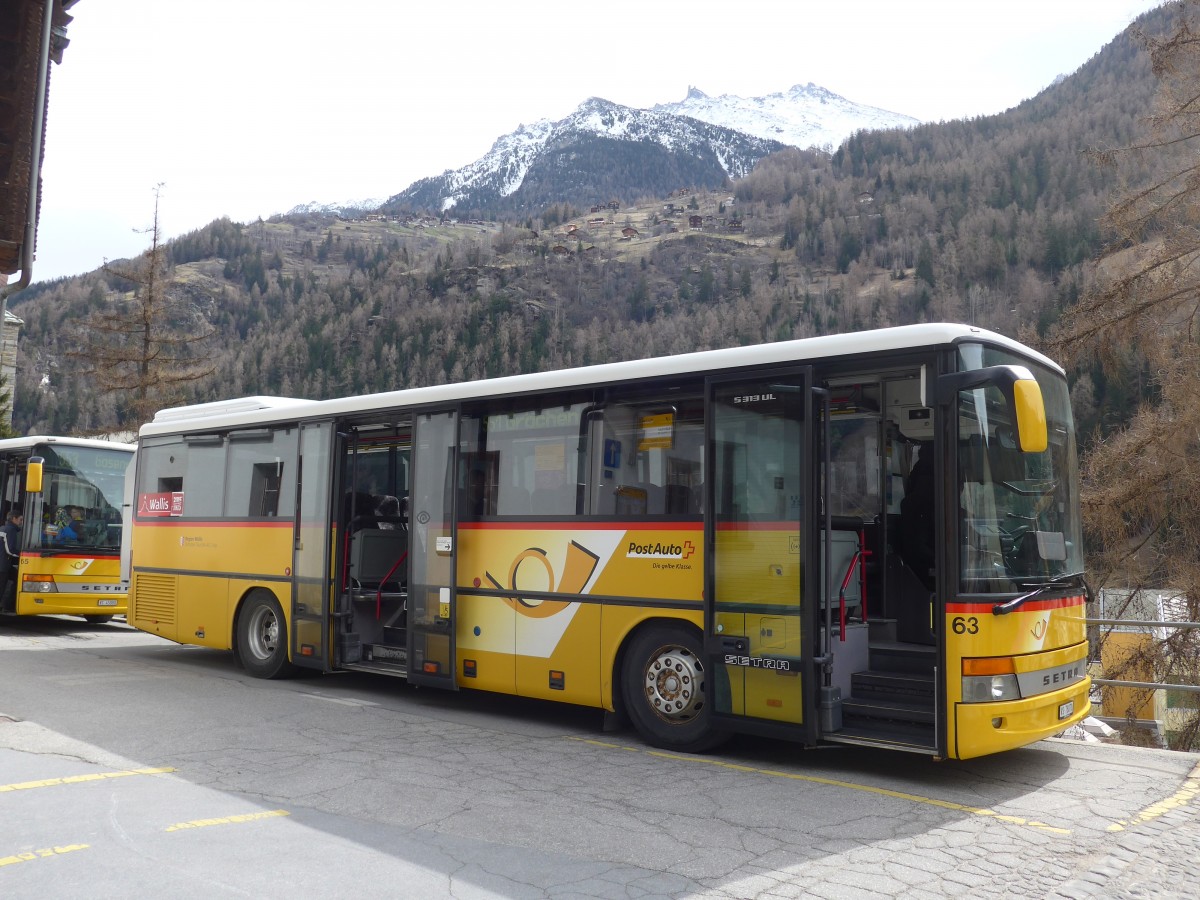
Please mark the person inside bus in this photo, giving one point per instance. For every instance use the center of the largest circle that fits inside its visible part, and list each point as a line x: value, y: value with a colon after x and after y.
x: 359, y: 511
x: 916, y: 517
x: 10, y: 555
x: 388, y: 513
x: 75, y: 529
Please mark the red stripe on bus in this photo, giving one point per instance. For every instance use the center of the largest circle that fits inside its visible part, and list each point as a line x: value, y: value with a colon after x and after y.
x: 962, y: 606
x: 576, y: 525
x: 36, y: 554
x: 176, y: 522
x: 792, y: 527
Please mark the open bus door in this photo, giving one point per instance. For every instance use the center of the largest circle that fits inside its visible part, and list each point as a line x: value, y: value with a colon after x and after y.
x: 311, y: 562
x: 760, y: 544
x: 431, y: 602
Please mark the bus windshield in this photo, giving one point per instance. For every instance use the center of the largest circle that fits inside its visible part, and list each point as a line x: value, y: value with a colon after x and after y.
x: 1019, y: 523
x: 79, y: 507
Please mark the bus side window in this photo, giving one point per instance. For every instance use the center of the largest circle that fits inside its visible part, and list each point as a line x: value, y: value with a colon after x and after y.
x: 521, y: 461
x: 261, y: 465
x: 652, y: 458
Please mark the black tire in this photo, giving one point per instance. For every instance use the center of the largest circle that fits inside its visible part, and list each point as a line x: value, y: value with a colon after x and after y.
x: 262, y: 641
x: 663, y: 683
x: 97, y: 620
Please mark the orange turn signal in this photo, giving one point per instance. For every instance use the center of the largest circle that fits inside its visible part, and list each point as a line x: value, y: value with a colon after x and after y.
x: 989, y: 665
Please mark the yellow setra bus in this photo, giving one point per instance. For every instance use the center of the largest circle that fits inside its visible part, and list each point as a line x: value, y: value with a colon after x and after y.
x: 70, y: 492
x: 868, y: 538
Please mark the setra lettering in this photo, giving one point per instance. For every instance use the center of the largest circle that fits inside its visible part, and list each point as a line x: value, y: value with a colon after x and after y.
x: 757, y: 662
x: 1075, y: 673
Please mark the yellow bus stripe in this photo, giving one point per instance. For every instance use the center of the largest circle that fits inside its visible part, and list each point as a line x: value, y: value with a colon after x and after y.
x: 228, y: 820
x: 39, y: 854
x: 849, y: 785
x: 1191, y: 788
x: 80, y: 779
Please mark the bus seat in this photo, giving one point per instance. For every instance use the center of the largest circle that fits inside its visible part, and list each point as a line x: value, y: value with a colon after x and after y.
x: 358, y: 510
x: 374, y: 554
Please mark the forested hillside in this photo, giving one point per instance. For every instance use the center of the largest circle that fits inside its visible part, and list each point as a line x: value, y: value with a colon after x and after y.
x: 991, y: 220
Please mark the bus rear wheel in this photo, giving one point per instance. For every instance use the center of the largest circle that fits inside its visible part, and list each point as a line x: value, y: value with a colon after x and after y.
x: 262, y: 637
x: 663, y: 684
x: 97, y: 620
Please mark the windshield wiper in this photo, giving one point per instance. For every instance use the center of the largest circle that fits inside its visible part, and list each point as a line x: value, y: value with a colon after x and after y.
x: 1040, y: 490
x: 1074, y: 579
x: 76, y: 548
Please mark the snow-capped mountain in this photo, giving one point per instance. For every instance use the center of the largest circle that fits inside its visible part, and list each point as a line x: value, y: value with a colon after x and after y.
x: 604, y: 150
x: 314, y: 207
x: 601, y: 150
x: 805, y: 116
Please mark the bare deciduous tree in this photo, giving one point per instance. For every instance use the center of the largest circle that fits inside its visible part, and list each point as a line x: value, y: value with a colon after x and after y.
x: 145, y: 345
x: 1141, y: 318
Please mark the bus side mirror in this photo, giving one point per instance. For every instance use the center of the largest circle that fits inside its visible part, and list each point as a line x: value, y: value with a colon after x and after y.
x: 33, y: 475
x: 1021, y: 391
x: 1030, y: 417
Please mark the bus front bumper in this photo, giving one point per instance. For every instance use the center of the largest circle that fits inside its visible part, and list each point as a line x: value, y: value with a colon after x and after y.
x: 62, y: 603
x: 982, y: 728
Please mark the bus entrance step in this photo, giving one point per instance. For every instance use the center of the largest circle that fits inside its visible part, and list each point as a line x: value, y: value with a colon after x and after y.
x: 896, y: 735
x: 385, y: 653
x: 890, y: 710
x: 897, y: 656
x: 905, y: 687
x: 377, y: 668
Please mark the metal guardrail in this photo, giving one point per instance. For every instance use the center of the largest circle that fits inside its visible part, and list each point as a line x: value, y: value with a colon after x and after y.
x: 1148, y: 685
x: 1145, y: 685
x: 1151, y: 624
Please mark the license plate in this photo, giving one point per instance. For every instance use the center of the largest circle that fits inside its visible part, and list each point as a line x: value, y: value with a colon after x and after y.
x: 1065, y: 709
x: 106, y: 602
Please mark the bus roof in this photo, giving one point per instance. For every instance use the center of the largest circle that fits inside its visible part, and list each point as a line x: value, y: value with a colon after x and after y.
x: 31, y: 441
x: 227, y: 407
x: 252, y: 410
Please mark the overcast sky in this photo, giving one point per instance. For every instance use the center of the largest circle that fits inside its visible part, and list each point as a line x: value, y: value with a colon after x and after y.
x: 246, y: 108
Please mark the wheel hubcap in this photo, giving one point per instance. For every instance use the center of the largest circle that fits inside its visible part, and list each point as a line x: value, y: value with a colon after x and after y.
x: 675, y: 684
x: 264, y: 633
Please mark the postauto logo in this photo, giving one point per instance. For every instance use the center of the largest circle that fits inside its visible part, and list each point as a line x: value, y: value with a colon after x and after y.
x: 659, y: 550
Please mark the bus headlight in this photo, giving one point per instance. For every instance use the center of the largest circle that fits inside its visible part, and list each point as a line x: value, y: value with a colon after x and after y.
x: 989, y: 688
x: 39, y: 584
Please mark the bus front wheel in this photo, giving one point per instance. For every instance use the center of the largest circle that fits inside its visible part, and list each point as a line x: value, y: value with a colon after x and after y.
x: 262, y: 637
x: 97, y: 620
x: 663, y: 684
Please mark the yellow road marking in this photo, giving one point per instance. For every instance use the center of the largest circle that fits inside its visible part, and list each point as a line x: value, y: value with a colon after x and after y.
x: 1191, y: 787
x: 849, y: 785
x: 80, y: 779
x: 39, y: 854
x: 228, y: 820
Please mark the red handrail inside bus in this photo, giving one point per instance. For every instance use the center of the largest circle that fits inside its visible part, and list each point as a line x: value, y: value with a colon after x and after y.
x: 859, y: 559
x: 379, y: 593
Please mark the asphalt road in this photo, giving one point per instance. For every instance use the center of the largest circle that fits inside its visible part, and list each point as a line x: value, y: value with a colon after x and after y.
x: 133, y: 767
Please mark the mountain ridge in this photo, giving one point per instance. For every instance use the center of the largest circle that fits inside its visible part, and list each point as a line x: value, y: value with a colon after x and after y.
x: 805, y: 116
x: 724, y: 137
